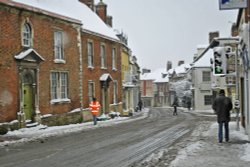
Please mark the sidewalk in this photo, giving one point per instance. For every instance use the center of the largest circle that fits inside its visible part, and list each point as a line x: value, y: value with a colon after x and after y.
x: 204, y: 150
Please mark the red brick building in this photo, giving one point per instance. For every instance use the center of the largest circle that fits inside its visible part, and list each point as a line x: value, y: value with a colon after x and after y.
x: 52, y: 62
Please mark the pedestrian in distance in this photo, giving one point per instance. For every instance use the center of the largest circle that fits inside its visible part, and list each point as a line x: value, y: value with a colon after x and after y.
x: 175, y: 104
x: 140, y: 105
x: 95, y: 107
x: 189, y: 105
x: 222, y: 106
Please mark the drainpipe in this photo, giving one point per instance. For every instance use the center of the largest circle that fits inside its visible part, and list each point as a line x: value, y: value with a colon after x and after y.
x: 79, y: 44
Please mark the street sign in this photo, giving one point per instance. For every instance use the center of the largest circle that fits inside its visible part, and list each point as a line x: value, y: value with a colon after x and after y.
x: 232, y: 4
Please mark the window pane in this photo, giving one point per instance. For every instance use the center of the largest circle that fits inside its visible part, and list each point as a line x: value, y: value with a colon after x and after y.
x: 208, y: 100
x: 58, y: 48
x: 26, y: 35
x: 103, y: 56
x: 113, y: 58
x: 206, y: 76
x: 90, y: 90
x: 64, y: 85
x: 115, y: 92
x: 54, y: 85
x: 90, y: 54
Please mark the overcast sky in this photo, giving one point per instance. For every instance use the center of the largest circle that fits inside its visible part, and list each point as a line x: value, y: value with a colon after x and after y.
x: 168, y: 30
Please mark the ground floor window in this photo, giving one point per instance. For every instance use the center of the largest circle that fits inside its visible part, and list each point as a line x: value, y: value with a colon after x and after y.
x: 59, y: 85
x: 91, y: 90
x: 208, y: 99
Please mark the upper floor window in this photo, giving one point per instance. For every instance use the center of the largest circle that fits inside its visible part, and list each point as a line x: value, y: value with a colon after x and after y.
x: 206, y: 76
x: 90, y: 54
x: 103, y: 56
x: 58, y: 46
x: 114, y: 59
x: 26, y: 35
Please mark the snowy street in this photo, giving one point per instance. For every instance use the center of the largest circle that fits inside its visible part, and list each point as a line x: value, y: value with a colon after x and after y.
x: 152, y: 138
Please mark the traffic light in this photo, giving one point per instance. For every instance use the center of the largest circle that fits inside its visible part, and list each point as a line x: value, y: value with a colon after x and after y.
x: 220, y: 63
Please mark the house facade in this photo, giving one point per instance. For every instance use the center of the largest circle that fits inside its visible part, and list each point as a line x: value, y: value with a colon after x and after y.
x: 201, y: 78
x: 53, y: 62
x: 241, y: 29
x: 179, y: 84
x: 147, y: 88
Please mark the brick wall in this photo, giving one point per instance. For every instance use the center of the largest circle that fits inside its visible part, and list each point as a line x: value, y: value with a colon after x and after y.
x: 95, y: 73
x: 43, y: 28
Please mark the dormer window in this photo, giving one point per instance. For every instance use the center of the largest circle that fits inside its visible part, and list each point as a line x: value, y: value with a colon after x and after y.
x: 26, y: 35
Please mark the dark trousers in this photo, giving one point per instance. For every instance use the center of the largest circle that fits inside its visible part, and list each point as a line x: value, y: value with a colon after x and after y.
x: 220, y: 132
x: 95, y: 120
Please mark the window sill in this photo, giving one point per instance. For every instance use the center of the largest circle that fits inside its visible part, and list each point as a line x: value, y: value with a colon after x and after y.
x: 56, y: 101
x: 90, y: 67
x: 59, y: 61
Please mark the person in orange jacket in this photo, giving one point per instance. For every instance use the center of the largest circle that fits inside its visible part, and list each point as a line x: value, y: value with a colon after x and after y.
x: 94, y: 106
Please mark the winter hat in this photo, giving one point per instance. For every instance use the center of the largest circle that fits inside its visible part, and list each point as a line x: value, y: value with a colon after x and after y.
x: 222, y: 91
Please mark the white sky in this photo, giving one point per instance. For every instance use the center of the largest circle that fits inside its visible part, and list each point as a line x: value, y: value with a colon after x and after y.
x: 168, y: 30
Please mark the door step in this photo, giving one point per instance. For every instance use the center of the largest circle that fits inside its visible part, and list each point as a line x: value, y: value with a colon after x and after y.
x: 31, y: 125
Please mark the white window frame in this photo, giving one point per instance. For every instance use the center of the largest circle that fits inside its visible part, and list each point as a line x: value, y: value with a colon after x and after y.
x: 58, y: 47
x: 59, y: 87
x: 114, y: 59
x: 103, y: 56
x: 90, y: 53
x: 26, y: 35
x: 91, y: 90
x: 115, y: 91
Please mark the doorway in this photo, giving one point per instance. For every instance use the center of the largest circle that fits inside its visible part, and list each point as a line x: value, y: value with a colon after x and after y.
x: 28, y: 97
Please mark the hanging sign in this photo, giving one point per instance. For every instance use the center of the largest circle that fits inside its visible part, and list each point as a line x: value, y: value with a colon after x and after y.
x: 232, y: 4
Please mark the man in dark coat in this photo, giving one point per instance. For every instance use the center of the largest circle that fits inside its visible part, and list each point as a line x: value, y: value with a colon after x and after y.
x: 175, y: 104
x: 222, y: 106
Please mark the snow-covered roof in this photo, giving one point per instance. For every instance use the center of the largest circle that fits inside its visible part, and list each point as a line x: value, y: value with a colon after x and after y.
x: 76, y: 10
x: 182, y: 68
x: 204, y: 61
x: 156, y: 76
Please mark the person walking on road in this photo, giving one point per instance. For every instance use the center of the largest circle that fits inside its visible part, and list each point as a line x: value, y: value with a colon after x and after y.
x: 175, y: 104
x: 140, y: 105
x: 94, y: 106
x: 222, y: 106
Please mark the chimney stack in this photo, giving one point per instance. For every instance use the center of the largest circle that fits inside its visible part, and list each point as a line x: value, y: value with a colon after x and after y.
x: 169, y: 65
x: 109, y: 21
x: 89, y: 3
x: 101, y: 11
x: 181, y: 62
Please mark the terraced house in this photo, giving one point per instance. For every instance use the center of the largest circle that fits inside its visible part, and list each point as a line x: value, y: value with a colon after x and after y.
x: 54, y: 57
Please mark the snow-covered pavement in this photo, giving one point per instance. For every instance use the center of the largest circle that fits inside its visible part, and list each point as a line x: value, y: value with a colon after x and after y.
x: 205, y: 151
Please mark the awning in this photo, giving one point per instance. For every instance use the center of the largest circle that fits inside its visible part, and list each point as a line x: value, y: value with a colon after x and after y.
x: 106, y: 77
x: 29, y: 55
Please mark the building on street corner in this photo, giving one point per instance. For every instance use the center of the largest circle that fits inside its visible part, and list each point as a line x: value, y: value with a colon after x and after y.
x: 55, y: 60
